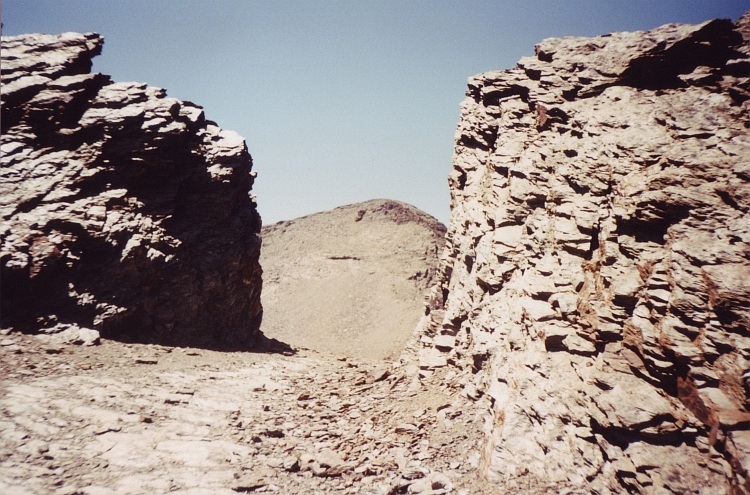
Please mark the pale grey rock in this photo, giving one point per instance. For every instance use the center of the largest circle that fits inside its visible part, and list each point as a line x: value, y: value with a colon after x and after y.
x: 291, y: 464
x: 328, y: 458
x: 597, y: 258
x: 432, y: 358
x: 444, y: 342
x: 73, y: 334
x: 633, y: 404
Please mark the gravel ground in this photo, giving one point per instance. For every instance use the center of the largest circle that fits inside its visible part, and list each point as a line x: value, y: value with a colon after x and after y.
x: 130, y: 418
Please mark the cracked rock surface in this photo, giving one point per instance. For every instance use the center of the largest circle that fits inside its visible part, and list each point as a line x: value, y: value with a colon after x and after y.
x: 124, y: 212
x: 595, y: 278
x: 137, y: 418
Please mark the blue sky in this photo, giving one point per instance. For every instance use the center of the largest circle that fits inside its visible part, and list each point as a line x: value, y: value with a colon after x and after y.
x: 340, y: 101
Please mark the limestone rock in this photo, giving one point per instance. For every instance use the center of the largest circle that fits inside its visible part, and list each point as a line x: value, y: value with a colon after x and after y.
x: 595, y: 276
x: 123, y: 211
x: 72, y: 334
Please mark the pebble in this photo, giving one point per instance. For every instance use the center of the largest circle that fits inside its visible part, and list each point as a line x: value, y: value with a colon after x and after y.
x: 145, y: 361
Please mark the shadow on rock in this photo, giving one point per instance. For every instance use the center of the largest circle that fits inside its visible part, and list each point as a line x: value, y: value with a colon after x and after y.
x: 123, y: 210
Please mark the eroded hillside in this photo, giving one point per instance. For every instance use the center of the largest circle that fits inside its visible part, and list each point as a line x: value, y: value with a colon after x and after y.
x: 588, y: 332
x: 352, y: 280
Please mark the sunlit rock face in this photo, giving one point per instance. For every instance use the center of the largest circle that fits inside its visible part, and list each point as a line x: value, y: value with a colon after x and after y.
x: 595, y: 286
x: 123, y: 211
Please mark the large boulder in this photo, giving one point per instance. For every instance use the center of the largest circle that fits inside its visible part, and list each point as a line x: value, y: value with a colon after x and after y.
x: 123, y: 210
x: 595, y: 276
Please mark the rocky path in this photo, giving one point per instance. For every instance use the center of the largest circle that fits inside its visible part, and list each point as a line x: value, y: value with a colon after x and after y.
x: 132, y: 419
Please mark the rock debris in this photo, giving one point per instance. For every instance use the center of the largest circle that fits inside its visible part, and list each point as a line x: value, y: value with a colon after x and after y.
x: 136, y: 418
x: 588, y: 331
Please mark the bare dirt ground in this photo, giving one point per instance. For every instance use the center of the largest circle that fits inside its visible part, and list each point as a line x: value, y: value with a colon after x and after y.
x: 131, y: 419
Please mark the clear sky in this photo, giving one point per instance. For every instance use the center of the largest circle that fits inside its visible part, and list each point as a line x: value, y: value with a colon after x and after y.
x: 340, y: 101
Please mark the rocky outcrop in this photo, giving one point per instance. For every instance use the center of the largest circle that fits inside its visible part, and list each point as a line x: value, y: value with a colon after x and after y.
x: 595, y: 276
x: 123, y: 210
x: 349, y: 281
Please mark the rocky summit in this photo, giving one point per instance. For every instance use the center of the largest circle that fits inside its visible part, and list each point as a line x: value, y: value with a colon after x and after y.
x: 595, y: 279
x: 125, y: 213
x: 350, y: 281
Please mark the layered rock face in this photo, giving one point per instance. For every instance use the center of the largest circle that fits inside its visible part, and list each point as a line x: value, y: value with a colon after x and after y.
x: 350, y: 281
x: 122, y: 210
x: 596, y: 276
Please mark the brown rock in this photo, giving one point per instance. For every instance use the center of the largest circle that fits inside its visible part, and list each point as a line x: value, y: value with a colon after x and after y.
x: 304, y: 396
x: 248, y: 484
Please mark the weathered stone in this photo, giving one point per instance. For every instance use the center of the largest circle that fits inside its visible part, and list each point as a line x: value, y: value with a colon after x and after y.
x: 739, y: 447
x: 291, y: 464
x: 432, y: 358
x: 73, y: 334
x: 329, y: 459
x: 596, y: 271
x: 632, y: 404
x: 444, y: 342
x: 123, y: 211
x: 406, y: 428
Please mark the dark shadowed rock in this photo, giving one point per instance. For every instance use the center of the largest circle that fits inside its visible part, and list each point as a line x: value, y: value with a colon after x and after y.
x: 123, y: 210
x: 351, y: 280
x: 597, y: 264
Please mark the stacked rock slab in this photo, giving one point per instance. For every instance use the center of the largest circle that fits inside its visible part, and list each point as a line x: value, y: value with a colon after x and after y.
x: 596, y: 276
x: 123, y: 210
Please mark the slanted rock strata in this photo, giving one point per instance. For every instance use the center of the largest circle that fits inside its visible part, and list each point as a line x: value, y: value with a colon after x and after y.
x: 123, y: 210
x: 595, y: 276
